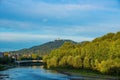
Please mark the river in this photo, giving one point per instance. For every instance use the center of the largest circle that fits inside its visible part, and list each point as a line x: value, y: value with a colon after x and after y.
x: 36, y: 73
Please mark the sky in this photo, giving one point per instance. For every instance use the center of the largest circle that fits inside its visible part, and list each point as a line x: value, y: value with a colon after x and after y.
x: 27, y: 23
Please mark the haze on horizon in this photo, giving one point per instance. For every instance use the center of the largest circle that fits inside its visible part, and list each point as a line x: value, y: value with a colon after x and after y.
x: 28, y: 23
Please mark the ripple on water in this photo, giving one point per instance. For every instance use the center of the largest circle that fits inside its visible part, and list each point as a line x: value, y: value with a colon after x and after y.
x: 38, y: 73
x: 25, y: 73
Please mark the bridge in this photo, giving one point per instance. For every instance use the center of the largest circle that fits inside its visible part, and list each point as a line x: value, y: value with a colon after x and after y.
x: 29, y: 62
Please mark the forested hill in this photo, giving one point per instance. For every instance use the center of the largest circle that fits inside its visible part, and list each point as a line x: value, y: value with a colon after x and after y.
x: 101, y: 54
x: 44, y: 48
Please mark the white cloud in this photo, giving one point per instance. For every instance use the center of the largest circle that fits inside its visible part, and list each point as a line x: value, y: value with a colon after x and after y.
x: 96, y: 28
x: 14, y: 24
x: 22, y: 36
x: 9, y: 36
x: 28, y: 27
x: 77, y: 38
x: 37, y: 8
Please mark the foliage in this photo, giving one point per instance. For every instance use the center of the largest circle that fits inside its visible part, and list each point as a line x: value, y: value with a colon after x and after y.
x: 6, y: 60
x: 101, y: 54
x: 32, y: 56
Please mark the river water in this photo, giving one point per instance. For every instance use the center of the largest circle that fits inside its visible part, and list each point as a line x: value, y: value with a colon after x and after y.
x: 36, y: 73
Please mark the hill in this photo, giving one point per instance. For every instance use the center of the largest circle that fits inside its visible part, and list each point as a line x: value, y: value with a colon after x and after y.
x: 44, y: 48
x: 101, y: 55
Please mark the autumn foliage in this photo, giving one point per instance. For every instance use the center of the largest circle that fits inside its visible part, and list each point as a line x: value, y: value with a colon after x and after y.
x: 101, y: 54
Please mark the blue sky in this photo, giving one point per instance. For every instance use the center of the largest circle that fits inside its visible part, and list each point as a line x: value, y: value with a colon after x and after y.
x: 26, y: 23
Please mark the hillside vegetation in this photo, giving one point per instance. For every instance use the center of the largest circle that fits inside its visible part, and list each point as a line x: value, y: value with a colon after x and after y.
x: 102, y: 54
x: 42, y: 49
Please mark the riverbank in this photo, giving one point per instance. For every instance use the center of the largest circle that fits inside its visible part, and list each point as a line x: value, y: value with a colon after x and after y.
x: 4, y: 67
x: 85, y: 73
x: 1, y: 67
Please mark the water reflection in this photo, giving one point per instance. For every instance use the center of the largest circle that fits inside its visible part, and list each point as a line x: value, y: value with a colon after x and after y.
x: 34, y: 67
x: 37, y: 73
x: 32, y: 73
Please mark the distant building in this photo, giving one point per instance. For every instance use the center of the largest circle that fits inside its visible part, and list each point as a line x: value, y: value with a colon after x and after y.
x: 1, y: 54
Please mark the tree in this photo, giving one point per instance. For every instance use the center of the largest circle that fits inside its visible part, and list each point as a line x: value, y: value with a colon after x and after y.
x: 86, y: 63
x: 115, y: 50
x: 77, y: 62
x: 110, y: 66
x: 63, y: 61
x: 70, y: 60
x: 34, y: 56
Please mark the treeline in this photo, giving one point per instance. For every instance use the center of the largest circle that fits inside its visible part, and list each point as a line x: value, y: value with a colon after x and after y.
x: 32, y: 56
x: 5, y: 61
x: 102, y: 54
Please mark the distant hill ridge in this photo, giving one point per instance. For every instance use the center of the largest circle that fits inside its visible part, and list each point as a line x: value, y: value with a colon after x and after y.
x: 44, y: 48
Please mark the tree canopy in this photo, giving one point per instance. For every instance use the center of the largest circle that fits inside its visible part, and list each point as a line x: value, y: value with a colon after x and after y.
x: 101, y: 54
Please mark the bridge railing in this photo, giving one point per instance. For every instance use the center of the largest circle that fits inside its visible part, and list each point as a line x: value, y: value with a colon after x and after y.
x: 22, y: 61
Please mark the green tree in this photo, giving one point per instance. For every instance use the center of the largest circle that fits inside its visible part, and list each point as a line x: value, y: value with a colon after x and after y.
x: 63, y: 61
x: 77, y: 62
x: 70, y: 60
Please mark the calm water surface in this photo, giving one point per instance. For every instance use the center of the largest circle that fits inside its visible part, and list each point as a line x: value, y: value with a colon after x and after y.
x: 36, y: 73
